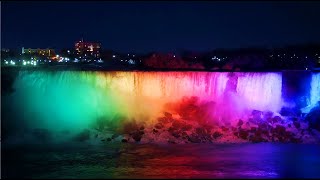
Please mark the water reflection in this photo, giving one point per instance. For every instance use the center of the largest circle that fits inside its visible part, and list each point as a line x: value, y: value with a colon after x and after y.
x: 263, y: 160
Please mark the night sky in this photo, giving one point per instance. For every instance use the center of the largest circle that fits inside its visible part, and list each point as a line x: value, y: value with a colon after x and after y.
x: 159, y: 26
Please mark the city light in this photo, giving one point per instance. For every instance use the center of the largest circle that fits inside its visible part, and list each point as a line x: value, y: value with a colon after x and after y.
x: 114, y: 56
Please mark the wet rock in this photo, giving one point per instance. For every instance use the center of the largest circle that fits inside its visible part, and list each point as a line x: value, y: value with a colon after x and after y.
x: 256, y: 115
x: 224, y: 128
x: 200, y: 131
x: 267, y: 115
x: 168, y: 115
x: 114, y: 136
x: 175, y: 134
x: 194, y: 139
x: 296, y: 124
x: 257, y: 139
x: 137, y: 135
x: 240, y: 123
x: 253, y: 129
x: 263, y: 126
x: 280, y: 129
x: 164, y: 120
x: 159, y: 126
x: 130, y: 127
x: 83, y: 136
x: 186, y: 127
x: 276, y: 119
x: 155, y: 131
x: 313, y: 117
x: 243, y: 134
x: 233, y: 129
x: 217, y: 134
x: 252, y: 120
x: 177, y: 124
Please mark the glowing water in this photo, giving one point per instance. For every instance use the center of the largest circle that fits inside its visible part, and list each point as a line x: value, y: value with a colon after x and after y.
x: 75, y: 100
x: 315, y: 89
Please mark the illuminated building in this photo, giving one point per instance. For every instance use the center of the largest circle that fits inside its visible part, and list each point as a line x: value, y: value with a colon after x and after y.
x: 44, y: 52
x: 87, y: 50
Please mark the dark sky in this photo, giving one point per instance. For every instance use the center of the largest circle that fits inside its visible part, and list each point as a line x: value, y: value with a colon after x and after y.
x: 159, y: 26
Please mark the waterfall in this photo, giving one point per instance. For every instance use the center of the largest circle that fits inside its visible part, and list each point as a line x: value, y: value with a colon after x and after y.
x: 315, y: 89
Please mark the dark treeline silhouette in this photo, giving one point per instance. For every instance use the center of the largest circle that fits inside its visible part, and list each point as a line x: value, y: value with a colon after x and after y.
x: 293, y: 57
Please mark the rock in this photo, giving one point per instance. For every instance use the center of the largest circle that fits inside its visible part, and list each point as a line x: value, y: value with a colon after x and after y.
x: 243, y: 134
x: 224, y: 128
x: 142, y: 128
x: 155, y: 131
x: 186, y: 127
x: 267, y: 115
x: 114, y: 136
x: 296, y: 124
x: 217, y: 135
x: 167, y: 115
x: 257, y: 139
x: 194, y: 139
x: 256, y: 114
x: 164, y: 120
x: 175, y: 134
x: 83, y: 136
x: 108, y: 139
x: 270, y: 120
x: 253, y: 129
x: 240, y: 123
x: 177, y: 124
x: 313, y: 117
x: 124, y: 140
x: 137, y: 135
x: 277, y: 119
x: 159, y: 126
x: 263, y: 126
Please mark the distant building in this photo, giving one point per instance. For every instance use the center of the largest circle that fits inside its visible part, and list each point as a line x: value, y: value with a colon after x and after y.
x: 44, y: 52
x: 5, y: 50
x: 87, y: 50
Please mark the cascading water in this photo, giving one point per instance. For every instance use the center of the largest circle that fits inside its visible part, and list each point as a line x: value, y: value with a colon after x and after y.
x: 70, y: 100
x: 315, y: 89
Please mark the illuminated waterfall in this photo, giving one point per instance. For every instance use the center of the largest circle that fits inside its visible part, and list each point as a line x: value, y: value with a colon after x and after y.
x: 315, y: 89
x: 75, y: 100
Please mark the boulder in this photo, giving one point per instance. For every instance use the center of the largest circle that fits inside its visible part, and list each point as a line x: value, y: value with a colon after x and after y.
x: 297, y: 124
x: 313, y: 117
x: 164, y: 120
x: 217, y: 134
x: 240, y: 123
x: 168, y: 115
x: 243, y: 134
x: 277, y: 119
x: 159, y: 126
x: 137, y: 135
